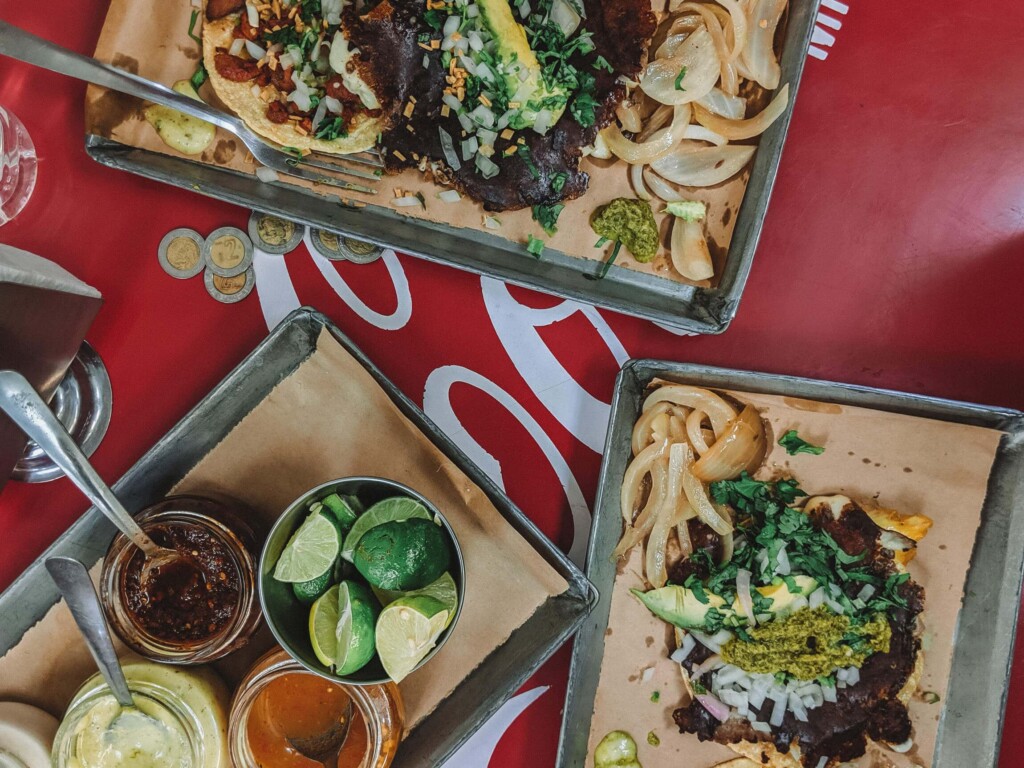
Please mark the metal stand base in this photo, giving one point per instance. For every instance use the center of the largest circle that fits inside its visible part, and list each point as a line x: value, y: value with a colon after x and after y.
x: 82, y: 402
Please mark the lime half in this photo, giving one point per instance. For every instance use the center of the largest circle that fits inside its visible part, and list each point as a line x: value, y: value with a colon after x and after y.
x: 325, y: 624
x: 357, y: 615
x: 386, y: 511
x: 443, y: 590
x: 311, y: 551
x: 406, y: 632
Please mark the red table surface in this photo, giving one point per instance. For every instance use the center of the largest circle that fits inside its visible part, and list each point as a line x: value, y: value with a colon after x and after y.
x: 891, y: 257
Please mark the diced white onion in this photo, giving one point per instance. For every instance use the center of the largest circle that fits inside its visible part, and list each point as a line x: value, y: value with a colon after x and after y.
x: 828, y: 693
x: 491, y: 223
x: 319, y: 114
x: 711, y: 662
x: 796, y: 706
x: 426, y: 61
x: 543, y: 122
x: 866, y: 592
x: 334, y: 106
x: 476, y: 42
x: 760, y: 727
x: 467, y: 125
x: 406, y: 202
x: 647, y: 675
x: 252, y: 15
x: 484, y: 72
x: 451, y: 25
x: 487, y: 168
x: 300, y: 99
x: 523, y: 6
x: 745, y: 598
x: 451, y: 101
x: 778, y: 712
x: 255, y: 90
x: 483, y: 116
x: 472, y: 11
x: 486, y: 137
x: 817, y: 598
x: 680, y: 654
x: 254, y: 50
x: 236, y: 46
x: 286, y: 61
x: 469, y: 147
x: 266, y: 175
x: 852, y: 676
x: 565, y: 16
x: 504, y: 120
x: 783, y: 560
x: 448, y: 148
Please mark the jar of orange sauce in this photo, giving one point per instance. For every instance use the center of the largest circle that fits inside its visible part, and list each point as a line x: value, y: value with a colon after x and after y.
x: 280, y: 702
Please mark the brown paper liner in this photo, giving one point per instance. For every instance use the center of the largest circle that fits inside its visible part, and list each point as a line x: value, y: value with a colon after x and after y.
x: 329, y: 419
x: 150, y: 38
x: 906, y: 463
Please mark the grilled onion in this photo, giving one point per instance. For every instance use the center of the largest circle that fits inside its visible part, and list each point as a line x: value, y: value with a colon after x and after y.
x: 734, y: 130
x: 704, y: 166
x: 665, y: 80
x: 740, y: 447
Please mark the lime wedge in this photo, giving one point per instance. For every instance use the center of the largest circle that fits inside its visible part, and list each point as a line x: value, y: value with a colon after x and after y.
x: 311, y: 551
x: 443, y: 590
x: 342, y: 509
x: 357, y: 615
x: 386, y: 511
x: 406, y: 632
x: 308, y: 591
x: 324, y: 626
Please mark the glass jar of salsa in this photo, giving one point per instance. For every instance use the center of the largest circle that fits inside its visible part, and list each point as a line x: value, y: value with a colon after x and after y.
x: 279, y: 700
x: 205, y: 606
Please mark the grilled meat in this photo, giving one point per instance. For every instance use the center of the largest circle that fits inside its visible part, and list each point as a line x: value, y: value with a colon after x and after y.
x: 871, y: 708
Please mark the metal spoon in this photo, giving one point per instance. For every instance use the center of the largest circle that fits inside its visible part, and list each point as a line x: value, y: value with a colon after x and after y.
x: 325, y: 747
x: 26, y: 408
x: 73, y: 581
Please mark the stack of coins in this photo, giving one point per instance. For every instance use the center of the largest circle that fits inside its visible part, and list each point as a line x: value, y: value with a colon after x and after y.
x: 274, y: 234
x: 225, y: 256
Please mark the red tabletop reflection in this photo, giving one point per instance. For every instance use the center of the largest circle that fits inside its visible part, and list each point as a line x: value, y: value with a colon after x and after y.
x: 891, y: 257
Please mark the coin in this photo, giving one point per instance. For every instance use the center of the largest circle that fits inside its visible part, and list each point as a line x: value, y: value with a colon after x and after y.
x: 327, y: 244
x: 273, y: 234
x: 229, y: 290
x: 181, y: 253
x: 360, y: 252
x: 227, y: 251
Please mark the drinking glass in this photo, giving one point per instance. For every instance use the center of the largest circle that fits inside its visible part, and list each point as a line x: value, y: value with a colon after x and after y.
x: 17, y: 166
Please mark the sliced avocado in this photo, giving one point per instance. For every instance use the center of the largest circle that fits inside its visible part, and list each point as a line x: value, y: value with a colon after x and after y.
x: 532, y: 93
x: 782, y: 596
x: 679, y: 605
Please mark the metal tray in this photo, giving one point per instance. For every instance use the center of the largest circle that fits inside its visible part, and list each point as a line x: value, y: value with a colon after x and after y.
x: 972, y: 719
x: 684, y: 307
x: 293, y: 341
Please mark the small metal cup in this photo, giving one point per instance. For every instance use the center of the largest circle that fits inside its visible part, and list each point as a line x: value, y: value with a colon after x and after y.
x: 288, y: 619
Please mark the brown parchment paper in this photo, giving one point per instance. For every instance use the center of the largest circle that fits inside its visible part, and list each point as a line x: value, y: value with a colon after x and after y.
x: 150, y: 38
x: 879, y: 459
x: 330, y: 419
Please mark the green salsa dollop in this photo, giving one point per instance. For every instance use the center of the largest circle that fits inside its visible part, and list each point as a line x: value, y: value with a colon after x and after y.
x: 630, y: 222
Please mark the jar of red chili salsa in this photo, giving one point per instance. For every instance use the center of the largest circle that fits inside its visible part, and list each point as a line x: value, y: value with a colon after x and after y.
x: 205, y: 606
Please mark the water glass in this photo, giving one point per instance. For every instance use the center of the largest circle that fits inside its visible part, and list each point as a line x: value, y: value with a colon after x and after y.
x: 17, y: 166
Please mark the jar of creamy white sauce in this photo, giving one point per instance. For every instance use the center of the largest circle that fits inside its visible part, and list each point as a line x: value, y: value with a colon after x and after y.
x: 180, y: 720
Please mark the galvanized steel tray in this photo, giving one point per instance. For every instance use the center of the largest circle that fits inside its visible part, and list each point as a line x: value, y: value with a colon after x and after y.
x: 698, y: 310
x: 439, y: 734
x: 972, y: 718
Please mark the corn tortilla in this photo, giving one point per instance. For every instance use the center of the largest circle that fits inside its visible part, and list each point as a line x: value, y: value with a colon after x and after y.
x: 239, y: 98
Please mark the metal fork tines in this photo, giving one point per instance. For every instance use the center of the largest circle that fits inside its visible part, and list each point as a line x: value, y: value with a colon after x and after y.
x: 21, y: 45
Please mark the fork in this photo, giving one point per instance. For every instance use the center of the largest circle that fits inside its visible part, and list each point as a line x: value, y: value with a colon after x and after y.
x: 24, y: 46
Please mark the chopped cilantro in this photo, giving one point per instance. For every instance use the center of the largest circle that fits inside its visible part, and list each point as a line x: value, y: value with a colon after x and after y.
x: 656, y: 697
x: 607, y: 263
x: 192, y: 26
x: 524, y: 152
x: 446, y: 58
x: 435, y: 19
x: 602, y: 63
x: 698, y: 687
x: 199, y: 77
x: 794, y: 444
x: 547, y: 216
x: 679, y: 79
x: 584, y: 105
x: 930, y: 697
x: 535, y: 246
x: 330, y: 128
x: 558, y: 181
x: 652, y: 739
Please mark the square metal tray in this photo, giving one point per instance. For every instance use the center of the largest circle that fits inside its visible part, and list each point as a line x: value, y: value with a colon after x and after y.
x: 972, y: 718
x: 676, y: 305
x: 486, y: 688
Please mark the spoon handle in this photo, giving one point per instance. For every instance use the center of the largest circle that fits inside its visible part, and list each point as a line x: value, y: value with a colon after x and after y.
x: 74, y: 583
x: 27, y: 409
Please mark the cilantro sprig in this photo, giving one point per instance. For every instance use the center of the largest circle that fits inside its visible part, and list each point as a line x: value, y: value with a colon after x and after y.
x: 795, y: 444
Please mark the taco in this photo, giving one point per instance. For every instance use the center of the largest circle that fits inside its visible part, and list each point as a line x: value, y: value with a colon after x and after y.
x: 288, y: 70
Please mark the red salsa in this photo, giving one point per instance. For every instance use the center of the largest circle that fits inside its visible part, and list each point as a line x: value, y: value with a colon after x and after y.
x: 189, y: 600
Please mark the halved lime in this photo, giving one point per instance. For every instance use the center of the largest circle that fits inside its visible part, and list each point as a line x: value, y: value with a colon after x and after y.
x: 387, y: 511
x: 443, y: 589
x: 325, y: 625
x: 406, y: 632
x: 311, y: 551
x: 308, y: 591
x: 358, y: 610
